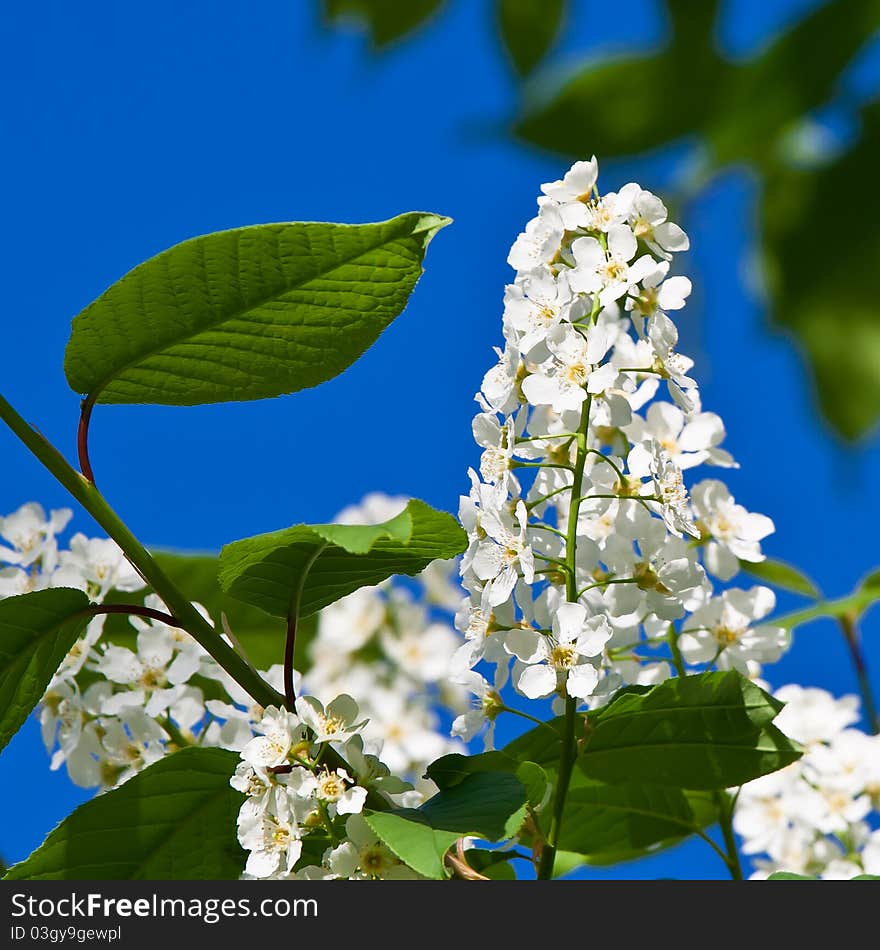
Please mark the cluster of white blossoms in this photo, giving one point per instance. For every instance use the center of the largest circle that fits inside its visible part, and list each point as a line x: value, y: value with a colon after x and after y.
x: 816, y: 816
x: 587, y: 551
x: 120, y: 701
x: 298, y: 800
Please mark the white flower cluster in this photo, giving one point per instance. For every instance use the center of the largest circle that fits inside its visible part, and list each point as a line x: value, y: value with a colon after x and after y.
x: 578, y: 573
x: 815, y: 817
x: 117, y: 705
x: 295, y: 800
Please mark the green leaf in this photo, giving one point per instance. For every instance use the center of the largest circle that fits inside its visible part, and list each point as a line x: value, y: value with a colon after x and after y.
x: 609, y: 823
x: 620, y: 106
x: 173, y: 821
x: 606, y: 824
x: 36, y: 632
x: 384, y: 20
x: 827, y: 298
x: 261, y: 637
x: 308, y: 567
x: 790, y: 876
x: 450, y: 770
x: 766, y: 95
x: 413, y: 840
x: 528, y: 29
x: 488, y: 805
x: 709, y: 731
x: 249, y: 313
x: 492, y: 864
x: 781, y: 575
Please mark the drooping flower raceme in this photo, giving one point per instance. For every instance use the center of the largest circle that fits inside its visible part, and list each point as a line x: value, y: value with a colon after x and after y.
x: 588, y: 549
x: 115, y: 707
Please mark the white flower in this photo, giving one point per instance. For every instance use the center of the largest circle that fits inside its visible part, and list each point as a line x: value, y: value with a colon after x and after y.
x: 273, y: 840
x: 534, y: 306
x: 672, y: 366
x: 279, y: 731
x: 724, y: 629
x: 503, y: 553
x: 610, y: 274
x: 498, y: 444
x: 337, y: 723
x: 561, y: 662
x: 364, y: 856
x: 32, y: 535
x: 97, y: 566
x: 573, y: 193
x: 658, y: 292
x: 689, y: 441
x: 539, y: 244
x: 565, y: 379
x: 734, y: 533
x: 652, y: 459
x: 487, y: 704
x: 647, y: 217
x: 813, y: 715
x: 499, y: 383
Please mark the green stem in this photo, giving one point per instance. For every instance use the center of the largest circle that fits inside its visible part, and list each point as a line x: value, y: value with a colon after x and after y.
x: 180, y: 606
x: 568, y: 750
x: 566, y: 763
x: 725, y: 819
x: 850, y: 630
x: 677, y: 658
x: 722, y: 799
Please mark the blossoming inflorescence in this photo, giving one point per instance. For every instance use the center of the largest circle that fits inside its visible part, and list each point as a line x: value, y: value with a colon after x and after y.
x: 816, y: 817
x: 118, y: 704
x: 587, y: 549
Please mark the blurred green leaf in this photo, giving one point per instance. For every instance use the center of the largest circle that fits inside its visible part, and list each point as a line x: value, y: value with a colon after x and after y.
x: 822, y: 245
x: 629, y: 104
x: 529, y: 29
x: 781, y: 575
x: 384, y: 20
x: 794, y: 75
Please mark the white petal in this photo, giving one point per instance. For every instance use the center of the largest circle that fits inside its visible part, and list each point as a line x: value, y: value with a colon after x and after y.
x: 582, y: 681
x: 536, y: 681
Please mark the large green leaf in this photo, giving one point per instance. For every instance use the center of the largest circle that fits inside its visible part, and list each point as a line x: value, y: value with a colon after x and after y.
x: 249, y: 313
x: 529, y: 29
x: 602, y: 823
x: 384, y: 20
x: 261, y: 636
x: 304, y: 568
x: 36, y: 632
x: 173, y: 821
x: 709, y: 731
x: 607, y: 823
x: 488, y: 805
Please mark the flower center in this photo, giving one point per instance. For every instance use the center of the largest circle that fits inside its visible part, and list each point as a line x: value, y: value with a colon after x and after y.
x: 563, y: 657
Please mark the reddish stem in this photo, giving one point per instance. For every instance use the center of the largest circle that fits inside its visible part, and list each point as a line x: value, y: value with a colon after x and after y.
x: 82, y: 438
x: 289, y: 647
x: 134, y: 610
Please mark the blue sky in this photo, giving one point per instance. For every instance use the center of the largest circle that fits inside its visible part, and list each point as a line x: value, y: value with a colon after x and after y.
x: 129, y: 129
